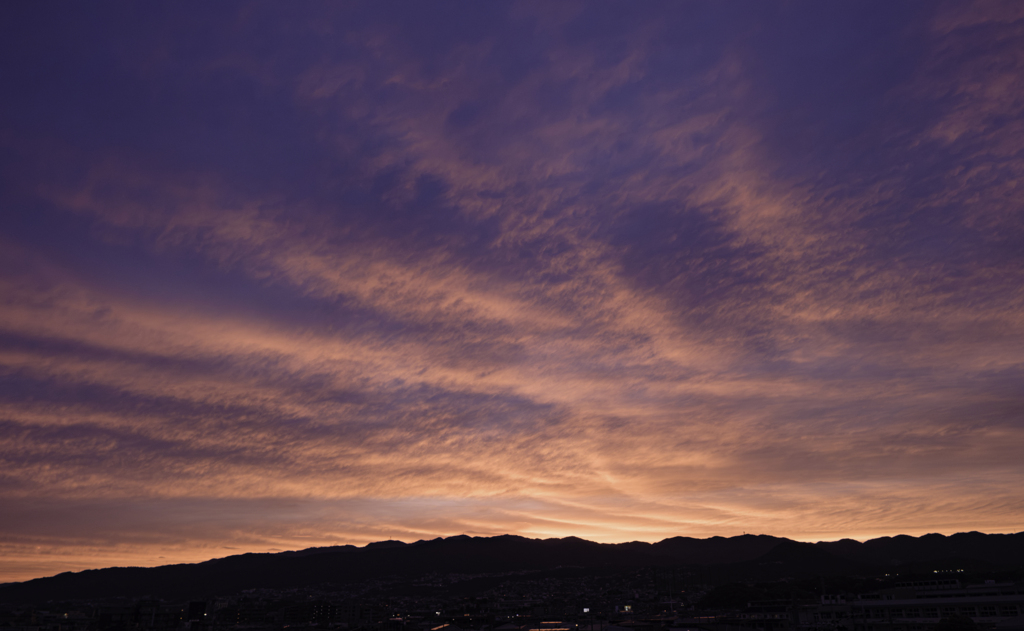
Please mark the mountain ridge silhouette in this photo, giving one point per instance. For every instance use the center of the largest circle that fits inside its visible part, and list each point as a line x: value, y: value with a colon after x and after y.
x: 749, y: 556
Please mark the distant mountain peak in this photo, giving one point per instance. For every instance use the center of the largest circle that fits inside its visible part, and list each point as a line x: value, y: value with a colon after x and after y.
x: 390, y: 543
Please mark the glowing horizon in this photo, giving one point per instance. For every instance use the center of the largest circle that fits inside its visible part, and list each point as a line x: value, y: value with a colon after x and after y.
x: 26, y: 565
x: 346, y: 274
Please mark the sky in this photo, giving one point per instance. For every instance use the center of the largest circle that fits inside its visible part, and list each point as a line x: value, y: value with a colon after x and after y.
x: 275, y: 276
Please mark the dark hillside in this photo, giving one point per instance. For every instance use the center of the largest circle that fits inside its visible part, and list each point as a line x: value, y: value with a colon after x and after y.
x: 756, y: 557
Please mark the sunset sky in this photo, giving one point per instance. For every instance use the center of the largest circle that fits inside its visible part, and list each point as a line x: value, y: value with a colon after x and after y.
x: 281, y: 275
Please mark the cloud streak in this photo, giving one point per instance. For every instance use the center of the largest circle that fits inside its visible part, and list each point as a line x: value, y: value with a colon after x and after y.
x: 579, y: 270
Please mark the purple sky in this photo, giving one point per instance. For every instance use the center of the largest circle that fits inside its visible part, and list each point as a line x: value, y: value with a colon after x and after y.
x: 275, y: 276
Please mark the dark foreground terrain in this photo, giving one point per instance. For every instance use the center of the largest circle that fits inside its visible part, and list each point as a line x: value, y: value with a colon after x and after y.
x: 711, y: 561
x: 966, y: 582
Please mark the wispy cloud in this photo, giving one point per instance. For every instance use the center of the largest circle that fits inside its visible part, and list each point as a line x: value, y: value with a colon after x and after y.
x: 573, y: 270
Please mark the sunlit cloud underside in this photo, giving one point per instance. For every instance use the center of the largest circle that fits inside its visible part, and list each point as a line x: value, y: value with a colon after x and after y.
x: 272, y: 278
